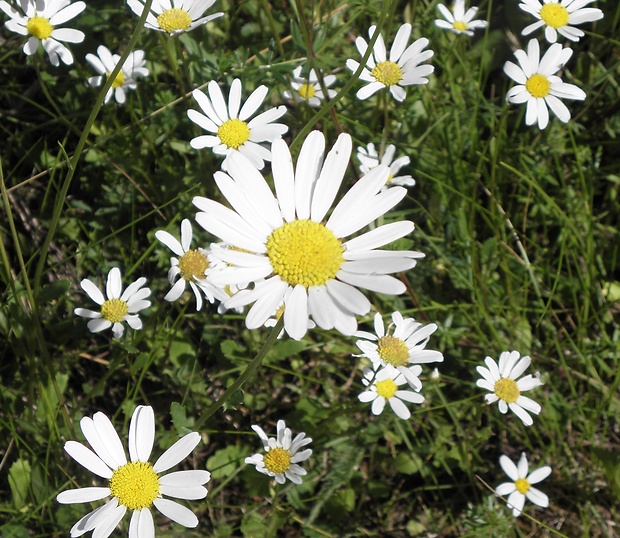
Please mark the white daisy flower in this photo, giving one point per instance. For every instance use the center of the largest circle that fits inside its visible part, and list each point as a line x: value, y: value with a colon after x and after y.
x: 105, y: 62
x: 538, y: 86
x: 39, y: 20
x: 369, y: 158
x: 175, y: 16
x: 382, y: 386
x: 308, y: 88
x: 400, y: 70
x: 458, y: 20
x: 136, y: 485
x: 191, y: 267
x: 282, y: 454
x: 116, y: 308
x: 401, y: 349
x: 558, y: 17
x: 291, y: 255
x: 233, y: 131
x: 501, y: 380
x: 520, y: 486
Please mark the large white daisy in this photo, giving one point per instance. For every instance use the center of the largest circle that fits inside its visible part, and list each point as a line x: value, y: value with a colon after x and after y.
x: 175, y: 16
x: 39, y: 20
x: 458, y: 20
x: 136, y: 485
x: 291, y: 251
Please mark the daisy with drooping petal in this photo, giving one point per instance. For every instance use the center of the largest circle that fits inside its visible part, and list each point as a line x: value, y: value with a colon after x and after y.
x: 520, y: 487
x: 369, y: 158
x: 558, y: 17
x: 39, y: 20
x: 105, y: 62
x: 116, y: 308
x: 458, y: 20
x: 232, y: 129
x: 501, y: 380
x: 401, y: 69
x: 282, y: 454
x: 309, y: 89
x: 382, y: 386
x: 190, y: 267
x: 136, y: 485
x: 285, y: 247
x: 175, y: 16
x: 538, y: 86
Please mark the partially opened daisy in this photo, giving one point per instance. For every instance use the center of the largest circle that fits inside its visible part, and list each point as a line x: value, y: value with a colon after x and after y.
x: 308, y: 88
x: 117, y: 307
x: 559, y: 17
x: 520, y: 486
x: 232, y: 129
x: 39, y: 20
x: 291, y: 251
x: 105, y: 62
x: 134, y: 485
x: 175, y: 16
x: 190, y: 267
x: 501, y: 381
x: 401, y: 69
x: 369, y: 158
x: 458, y: 20
x: 282, y: 454
x: 538, y: 86
x: 383, y: 386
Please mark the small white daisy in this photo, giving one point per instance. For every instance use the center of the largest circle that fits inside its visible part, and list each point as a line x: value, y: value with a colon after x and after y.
x: 558, y: 17
x: 308, y: 88
x: 382, y: 386
x: 136, y: 485
x: 538, y: 86
x: 116, y: 308
x: 369, y: 158
x: 282, y: 454
x: 458, y: 20
x: 233, y: 131
x: 175, y: 16
x: 191, y: 267
x: 520, y: 487
x: 284, y: 247
x: 501, y: 380
x: 105, y: 62
x: 39, y: 20
x: 402, y: 68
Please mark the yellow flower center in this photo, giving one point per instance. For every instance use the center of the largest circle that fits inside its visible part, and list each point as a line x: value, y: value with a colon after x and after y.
x: 389, y: 179
x: 554, y: 15
x: 507, y: 390
x: 460, y: 26
x: 304, y: 252
x: 386, y: 388
x: 277, y: 460
x: 39, y: 27
x: 114, y: 310
x: 393, y: 350
x: 119, y: 80
x: 234, y: 133
x: 279, y: 312
x: 135, y: 485
x: 538, y: 85
x: 387, y: 73
x: 522, y: 485
x: 193, y: 264
x: 306, y: 91
x: 174, y: 20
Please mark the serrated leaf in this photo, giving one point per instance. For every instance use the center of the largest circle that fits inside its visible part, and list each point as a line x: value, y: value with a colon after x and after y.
x: 180, y: 421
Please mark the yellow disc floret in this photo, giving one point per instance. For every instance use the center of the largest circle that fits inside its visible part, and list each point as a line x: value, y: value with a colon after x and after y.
x: 522, y: 485
x: 39, y: 27
x: 306, y: 91
x: 386, y: 388
x: 387, y: 73
x: 460, y: 26
x: 174, y: 20
x: 507, y: 390
x: 119, y: 80
x: 114, y: 310
x: 393, y: 350
x: 304, y: 252
x: 554, y: 15
x: 538, y: 85
x: 135, y: 485
x: 234, y: 133
x: 277, y: 460
x: 193, y: 264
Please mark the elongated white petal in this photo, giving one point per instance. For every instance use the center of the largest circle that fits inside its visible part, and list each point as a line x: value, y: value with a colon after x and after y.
x: 87, y: 458
x: 176, y: 512
x: 141, y: 433
x: 82, y: 495
x: 177, y: 452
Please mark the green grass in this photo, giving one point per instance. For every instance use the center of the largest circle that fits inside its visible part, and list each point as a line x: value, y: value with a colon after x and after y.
x: 520, y: 231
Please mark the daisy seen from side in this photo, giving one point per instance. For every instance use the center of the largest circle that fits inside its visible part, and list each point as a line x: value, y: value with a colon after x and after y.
x: 369, y: 158
x: 458, y: 20
x: 175, y: 16
x: 401, y: 69
x: 308, y: 89
x: 135, y: 485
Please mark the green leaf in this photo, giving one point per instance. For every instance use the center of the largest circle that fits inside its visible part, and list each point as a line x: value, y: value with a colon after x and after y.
x: 180, y: 421
x: 611, y: 467
x: 19, y: 482
x: 226, y: 461
x: 408, y: 463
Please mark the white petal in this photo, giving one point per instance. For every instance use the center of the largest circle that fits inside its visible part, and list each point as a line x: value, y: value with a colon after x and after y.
x: 254, y: 101
x: 307, y: 171
x: 93, y: 291
x: 114, y: 284
x: 141, y: 433
x: 168, y: 240
x: 177, y: 452
x: 296, y: 313
x: 82, y: 495
x: 176, y: 512
x: 87, y: 458
x: 99, y: 445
